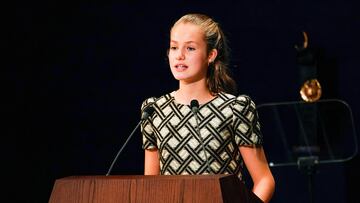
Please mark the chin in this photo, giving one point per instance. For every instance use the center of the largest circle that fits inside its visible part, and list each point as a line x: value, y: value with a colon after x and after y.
x: 179, y: 77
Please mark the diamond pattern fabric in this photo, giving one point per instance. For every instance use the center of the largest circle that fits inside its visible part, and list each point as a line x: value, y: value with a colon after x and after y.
x: 225, y: 123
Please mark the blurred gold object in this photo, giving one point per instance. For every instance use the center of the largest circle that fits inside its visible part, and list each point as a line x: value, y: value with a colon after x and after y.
x: 311, y: 90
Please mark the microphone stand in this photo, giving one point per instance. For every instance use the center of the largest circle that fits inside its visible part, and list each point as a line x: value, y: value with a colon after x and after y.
x: 308, y: 165
x: 194, y: 104
x: 123, y: 146
x: 148, y: 111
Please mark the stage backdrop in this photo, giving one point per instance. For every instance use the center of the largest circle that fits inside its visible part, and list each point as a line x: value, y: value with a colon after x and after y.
x: 79, y: 72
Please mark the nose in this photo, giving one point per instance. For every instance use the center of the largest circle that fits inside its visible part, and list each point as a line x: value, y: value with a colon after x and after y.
x: 180, y: 55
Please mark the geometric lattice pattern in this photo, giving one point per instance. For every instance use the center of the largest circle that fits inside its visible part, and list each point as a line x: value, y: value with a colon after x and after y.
x: 225, y: 123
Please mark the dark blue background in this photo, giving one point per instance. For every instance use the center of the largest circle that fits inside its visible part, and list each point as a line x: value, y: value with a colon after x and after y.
x: 78, y: 72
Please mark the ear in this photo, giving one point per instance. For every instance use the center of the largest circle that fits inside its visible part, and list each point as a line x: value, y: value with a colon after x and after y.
x: 212, y: 55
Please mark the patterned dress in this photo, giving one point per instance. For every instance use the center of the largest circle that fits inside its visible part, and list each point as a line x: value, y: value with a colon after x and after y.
x: 224, y: 123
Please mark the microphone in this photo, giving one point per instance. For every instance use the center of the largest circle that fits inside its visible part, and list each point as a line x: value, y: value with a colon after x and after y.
x: 194, y: 105
x: 148, y: 111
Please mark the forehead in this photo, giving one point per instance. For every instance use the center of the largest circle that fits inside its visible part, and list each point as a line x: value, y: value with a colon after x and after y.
x: 184, y: 32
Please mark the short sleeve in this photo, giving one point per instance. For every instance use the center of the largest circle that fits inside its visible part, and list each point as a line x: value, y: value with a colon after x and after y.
x: 147, y: 131
x: 246, y: 123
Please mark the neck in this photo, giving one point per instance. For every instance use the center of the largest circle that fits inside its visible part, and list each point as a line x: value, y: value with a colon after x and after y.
x: 190, y: 91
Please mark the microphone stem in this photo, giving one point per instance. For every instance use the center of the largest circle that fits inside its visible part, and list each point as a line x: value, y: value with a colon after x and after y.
x: 202, y: 142
x: 123, y: 146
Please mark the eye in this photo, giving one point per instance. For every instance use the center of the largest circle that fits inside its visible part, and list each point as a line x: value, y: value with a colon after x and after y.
x: 173, y: 47
x: 190, y: 48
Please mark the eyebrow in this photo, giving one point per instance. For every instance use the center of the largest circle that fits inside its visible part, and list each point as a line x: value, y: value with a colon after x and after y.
x: 187, y: 42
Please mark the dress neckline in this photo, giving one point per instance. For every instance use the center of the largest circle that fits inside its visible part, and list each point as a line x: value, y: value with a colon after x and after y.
x: 172, y: 95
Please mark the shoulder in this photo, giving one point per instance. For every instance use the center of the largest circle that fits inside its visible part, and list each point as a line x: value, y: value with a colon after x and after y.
x: 238, y: 102
x: 158, y: 101
x: 147, y: 102
x: 226, y: 97
x: 244, y: 99
x: 244, y: 104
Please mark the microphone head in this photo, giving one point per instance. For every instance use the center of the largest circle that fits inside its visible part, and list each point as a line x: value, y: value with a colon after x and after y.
x: 194, y: 105
x: 148, y: 111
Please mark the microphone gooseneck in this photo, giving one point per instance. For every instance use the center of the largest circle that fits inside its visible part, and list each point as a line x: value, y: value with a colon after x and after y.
x: 194, y: 105
x: 148, y: 111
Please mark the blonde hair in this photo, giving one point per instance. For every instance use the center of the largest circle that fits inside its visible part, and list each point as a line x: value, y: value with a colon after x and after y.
x: 218, y: 75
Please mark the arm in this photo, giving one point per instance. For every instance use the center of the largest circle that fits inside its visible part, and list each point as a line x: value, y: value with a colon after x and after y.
x: 152, y: 162
x: 256, y: 163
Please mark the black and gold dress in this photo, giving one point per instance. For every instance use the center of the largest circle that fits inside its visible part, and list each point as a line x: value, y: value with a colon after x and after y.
x: 224, y: 123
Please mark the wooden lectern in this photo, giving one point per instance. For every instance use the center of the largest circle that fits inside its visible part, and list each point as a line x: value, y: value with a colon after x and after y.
x: 158, y: 189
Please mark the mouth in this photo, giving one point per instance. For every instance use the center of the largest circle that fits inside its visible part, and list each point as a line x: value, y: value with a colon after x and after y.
x: 181, y: 67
